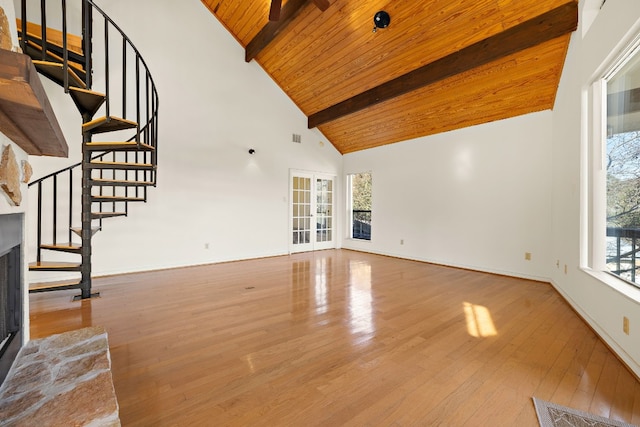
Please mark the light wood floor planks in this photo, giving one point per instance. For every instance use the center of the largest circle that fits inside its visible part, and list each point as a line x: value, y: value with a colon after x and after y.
x: 337, y: 338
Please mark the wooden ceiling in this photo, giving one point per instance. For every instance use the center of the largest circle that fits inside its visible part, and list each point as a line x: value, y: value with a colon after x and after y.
x: 440, y: 65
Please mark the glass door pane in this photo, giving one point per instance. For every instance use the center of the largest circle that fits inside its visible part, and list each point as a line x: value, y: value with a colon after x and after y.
x: 324, y: 212
x: 301, y: 215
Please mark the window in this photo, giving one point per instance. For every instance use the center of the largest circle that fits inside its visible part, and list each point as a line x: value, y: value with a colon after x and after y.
x: 622, y: 167
x: 360, y: 205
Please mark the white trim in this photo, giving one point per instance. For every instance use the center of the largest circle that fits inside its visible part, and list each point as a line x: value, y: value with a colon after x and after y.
x: 594, y: 157
x: 604, y: 336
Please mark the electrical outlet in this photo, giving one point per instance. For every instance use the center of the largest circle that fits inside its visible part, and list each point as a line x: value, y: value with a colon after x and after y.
x: 527, y: 256
x: 402, y: 241
x: 565, y: 269
x: 557, y: 263
x: 625, y: 325
x: 206, y: 246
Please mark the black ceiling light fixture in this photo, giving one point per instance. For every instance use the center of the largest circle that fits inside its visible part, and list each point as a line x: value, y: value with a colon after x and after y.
x: 381, y: 20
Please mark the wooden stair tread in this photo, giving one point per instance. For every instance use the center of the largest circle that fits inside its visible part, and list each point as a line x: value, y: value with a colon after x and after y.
x: 55, y: 72
x: 78, y: 230
x: 89, y: 92
x: 96, y: 164
x: 107, y: 199
x: 118, y: 146
x: 54, y: 265
x: 54, y: 37
x: 118, y: 183
x: 87, y: 101
x: 63, y: 247
x: 34, y: 50
x: 54, y: 286
x: 35, y: 41
x: 104, y: 215
x: 108, y: 124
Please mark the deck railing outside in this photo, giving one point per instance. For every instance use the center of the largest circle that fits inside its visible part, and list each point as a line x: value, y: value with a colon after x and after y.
x: 361, y: 224
x: 622, y: 252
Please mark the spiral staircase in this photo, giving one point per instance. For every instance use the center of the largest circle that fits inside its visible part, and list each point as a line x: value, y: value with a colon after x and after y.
x: 119, y: 133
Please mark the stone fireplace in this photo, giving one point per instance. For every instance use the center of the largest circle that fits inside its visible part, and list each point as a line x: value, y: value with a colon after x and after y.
x: 11, y: 304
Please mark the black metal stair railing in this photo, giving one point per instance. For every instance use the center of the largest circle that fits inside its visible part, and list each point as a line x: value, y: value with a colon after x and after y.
x: 117, y: 173
x: 55, y: 191
x: 145, y: 92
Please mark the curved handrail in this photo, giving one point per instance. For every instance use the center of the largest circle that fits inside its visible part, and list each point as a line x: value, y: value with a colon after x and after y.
x: 139, y: 58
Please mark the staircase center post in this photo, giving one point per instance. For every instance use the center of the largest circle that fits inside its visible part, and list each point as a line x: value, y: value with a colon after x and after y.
x: 86, y: 233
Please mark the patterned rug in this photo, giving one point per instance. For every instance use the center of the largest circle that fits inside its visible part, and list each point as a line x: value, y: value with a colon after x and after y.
x: 552, y: 415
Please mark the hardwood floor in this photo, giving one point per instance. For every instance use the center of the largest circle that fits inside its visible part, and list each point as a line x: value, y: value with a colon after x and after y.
x: 337, y: 338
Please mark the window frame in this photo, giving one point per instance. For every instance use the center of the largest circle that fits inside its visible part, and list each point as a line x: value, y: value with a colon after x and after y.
x: 349, y: 206
x: 593, y: 255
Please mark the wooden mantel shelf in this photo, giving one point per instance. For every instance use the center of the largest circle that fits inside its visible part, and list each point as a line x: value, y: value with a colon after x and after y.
x: 26, y: 117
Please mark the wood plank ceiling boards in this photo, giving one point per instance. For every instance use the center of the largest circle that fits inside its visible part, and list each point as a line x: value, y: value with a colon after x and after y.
x: 440, y: 65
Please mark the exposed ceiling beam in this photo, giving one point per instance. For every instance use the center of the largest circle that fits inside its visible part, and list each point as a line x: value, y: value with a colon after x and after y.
x: 274, y: 11
x: 555, y: 23
x: 269, y: 32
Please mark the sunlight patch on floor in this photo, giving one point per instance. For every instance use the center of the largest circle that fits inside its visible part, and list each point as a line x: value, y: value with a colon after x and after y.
x: 479, y: 321
x: 360, y: 299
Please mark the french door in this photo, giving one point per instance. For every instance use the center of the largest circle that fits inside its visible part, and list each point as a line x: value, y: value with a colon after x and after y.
x: 312, y: 221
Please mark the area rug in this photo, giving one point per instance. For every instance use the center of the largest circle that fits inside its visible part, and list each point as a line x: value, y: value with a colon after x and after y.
x: 552, y: 415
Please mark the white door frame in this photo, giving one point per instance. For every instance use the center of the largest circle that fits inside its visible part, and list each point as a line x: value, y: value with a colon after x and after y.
x: 313, y: 243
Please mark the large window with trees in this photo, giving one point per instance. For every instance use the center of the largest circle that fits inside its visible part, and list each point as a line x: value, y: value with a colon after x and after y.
x: 622, y: 166
x: 359, y: 192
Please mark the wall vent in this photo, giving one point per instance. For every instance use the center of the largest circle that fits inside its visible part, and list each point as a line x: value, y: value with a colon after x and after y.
x: 297, y: 138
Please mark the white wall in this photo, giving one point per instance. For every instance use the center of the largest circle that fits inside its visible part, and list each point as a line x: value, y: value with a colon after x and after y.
x: 599, y: 299
x: 477, y: 198
x: 213, y: 108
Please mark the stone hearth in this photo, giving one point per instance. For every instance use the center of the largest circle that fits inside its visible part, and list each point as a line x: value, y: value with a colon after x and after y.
x: 60, y: 380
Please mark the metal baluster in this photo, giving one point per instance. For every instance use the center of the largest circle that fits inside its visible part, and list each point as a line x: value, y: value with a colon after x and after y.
x: 70, y: 205
x: 23, y: 25
x: 55, y: 207
x: 43, y: 28
x: 65, y: 53
x: 147, y: 115
x: 87, y: 42
x: 39, y: 232
x: 124, y: 78
x: 138, y: 98
x: 106, y: 66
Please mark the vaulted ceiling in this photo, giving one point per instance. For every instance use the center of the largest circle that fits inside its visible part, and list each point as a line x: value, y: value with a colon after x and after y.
x: 440, y: 65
